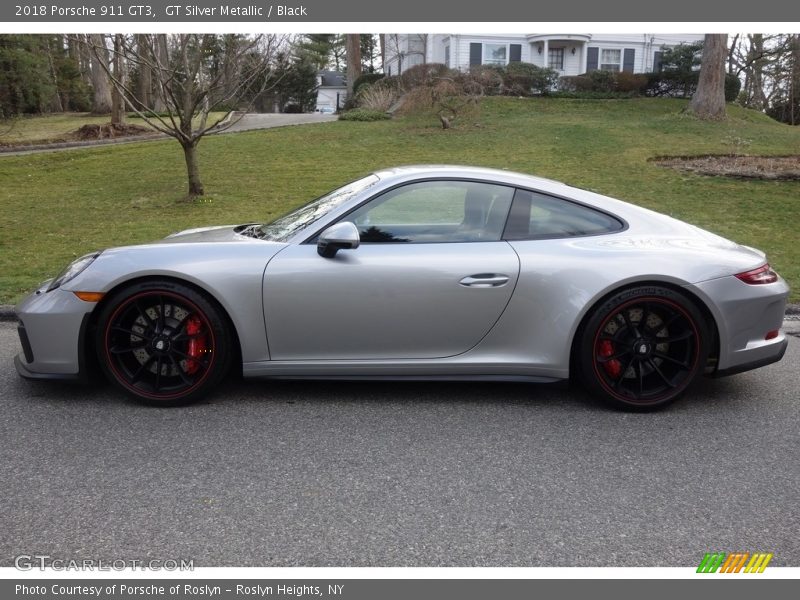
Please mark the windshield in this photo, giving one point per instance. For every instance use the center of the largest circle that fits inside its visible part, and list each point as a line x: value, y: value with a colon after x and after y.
x: 286, y: 226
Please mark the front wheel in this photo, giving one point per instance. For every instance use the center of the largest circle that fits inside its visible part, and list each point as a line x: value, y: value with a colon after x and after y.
x: 162, y: 342
x: 642, y: 348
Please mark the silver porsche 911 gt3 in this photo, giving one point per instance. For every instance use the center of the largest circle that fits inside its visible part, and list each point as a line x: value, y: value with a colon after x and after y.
x: 428, y: 272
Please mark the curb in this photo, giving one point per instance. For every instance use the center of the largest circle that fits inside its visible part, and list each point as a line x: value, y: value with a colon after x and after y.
x: 792, y: 314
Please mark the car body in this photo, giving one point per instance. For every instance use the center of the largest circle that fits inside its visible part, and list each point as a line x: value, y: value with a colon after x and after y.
x: 420, y: 272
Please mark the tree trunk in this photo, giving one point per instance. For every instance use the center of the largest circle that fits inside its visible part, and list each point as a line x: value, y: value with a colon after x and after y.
x: 84, y: 57
x: 144, y: 84
x: 56, y: 105
x: 162, y: 61
x: 708, y: 101
x: 758, y: 98
x: 117, y: 101
x: 192, y: 168
x: 794, y: 84
x: 353, y: 50
x: 101, y: 100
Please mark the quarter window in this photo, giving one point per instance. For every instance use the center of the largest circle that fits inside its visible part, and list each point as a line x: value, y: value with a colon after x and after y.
x: 435, y: 212
x: 538, y: 216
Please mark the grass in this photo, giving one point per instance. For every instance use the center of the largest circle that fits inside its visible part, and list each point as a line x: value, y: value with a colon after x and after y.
x: 57, y: 206
x: 42, y: 129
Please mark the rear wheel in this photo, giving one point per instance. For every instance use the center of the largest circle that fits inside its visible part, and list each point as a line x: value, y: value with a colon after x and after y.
x: 642, y: 348
x: 162, y: 342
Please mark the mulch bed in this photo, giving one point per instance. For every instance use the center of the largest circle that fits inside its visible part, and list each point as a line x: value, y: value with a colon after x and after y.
x: 740, y: 166
x: 107, y: 131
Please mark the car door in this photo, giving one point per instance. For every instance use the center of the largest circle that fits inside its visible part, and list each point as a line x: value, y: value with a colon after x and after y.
x: 430, y: 278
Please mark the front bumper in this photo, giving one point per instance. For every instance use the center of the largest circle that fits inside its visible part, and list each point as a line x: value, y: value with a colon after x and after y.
x: 53, y: 329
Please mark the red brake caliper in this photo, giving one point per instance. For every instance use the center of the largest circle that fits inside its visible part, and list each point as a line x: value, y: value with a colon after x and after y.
x: 613, y: 366
x: 197, y: 344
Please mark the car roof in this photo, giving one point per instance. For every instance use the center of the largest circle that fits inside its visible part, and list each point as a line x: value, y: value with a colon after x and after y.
x: 469, y: 172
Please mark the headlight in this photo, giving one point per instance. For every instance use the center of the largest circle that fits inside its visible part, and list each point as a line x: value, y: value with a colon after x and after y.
x: 72, y: 270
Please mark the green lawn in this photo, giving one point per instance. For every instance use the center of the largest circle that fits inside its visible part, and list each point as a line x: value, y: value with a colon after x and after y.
x: 57, y: 206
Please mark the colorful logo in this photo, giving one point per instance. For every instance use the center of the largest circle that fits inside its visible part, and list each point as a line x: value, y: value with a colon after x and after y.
x: 734, y: 562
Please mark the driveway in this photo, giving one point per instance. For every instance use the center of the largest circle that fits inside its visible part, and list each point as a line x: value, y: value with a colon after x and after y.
x: 249, y: 122
x: 269, y: 120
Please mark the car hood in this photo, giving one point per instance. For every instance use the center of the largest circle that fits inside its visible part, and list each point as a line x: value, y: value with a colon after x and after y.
x: 219, y: 233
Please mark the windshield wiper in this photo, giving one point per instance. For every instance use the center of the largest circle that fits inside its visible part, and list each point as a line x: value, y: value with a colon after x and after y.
x: 250, y: 230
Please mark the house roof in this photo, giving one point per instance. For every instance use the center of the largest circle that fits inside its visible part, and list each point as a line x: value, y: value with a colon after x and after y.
x: 332, y: 79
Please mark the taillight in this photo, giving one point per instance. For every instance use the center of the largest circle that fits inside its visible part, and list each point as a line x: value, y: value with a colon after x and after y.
x: 763, y: 274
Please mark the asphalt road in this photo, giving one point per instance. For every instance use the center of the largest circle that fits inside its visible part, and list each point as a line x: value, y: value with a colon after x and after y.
x: 386, y: 474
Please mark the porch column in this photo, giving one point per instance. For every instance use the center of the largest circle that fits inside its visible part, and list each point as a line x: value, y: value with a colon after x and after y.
x: 546, y: 52
x: 584, y: 57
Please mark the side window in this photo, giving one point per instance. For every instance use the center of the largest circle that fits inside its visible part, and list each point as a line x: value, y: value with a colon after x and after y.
x: 435, y: 212
x: 538, y: 216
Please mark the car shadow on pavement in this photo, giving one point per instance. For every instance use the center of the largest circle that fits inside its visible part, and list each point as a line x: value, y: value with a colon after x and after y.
x: 728, y: 393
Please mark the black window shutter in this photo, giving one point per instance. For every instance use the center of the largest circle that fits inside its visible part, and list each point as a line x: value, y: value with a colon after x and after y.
x: 475, y: 53
x: 657, y: 58
x: 515, y: 53
x: 627, y: 61
x: 592, y: 57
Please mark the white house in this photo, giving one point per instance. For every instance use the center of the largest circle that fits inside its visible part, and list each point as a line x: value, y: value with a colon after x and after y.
x: 331, y: 91
x: 567, y: 53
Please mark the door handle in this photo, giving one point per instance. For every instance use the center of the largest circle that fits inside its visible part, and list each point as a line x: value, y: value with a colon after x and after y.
x: 484, y: 280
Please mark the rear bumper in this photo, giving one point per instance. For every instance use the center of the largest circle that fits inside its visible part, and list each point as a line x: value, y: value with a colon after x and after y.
x: 745, y: 316
x: 776, y: 352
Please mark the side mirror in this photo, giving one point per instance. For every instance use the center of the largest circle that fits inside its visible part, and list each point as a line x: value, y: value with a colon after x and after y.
x: 342, y: 236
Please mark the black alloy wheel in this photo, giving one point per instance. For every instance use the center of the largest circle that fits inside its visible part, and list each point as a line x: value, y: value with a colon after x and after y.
x: 162, y: 342
x: 643, y: 348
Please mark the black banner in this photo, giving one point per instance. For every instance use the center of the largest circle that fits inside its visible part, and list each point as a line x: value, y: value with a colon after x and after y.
x: 361, y: 11
x: 397, y: 589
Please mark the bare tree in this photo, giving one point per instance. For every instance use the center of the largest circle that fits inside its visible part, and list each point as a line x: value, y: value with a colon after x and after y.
x: 101, y: 99
x: 56, y: 105
x: 708, y: 101
x: 418, y: 46
x: 190, y: 82
x: 407, y: 49
x: 393, y: 48
x: 144, y: 79
x: 117, y: 100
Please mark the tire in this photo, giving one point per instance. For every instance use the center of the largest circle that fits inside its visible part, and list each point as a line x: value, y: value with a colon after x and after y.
x: 642, y: 348
x: 163, y: 343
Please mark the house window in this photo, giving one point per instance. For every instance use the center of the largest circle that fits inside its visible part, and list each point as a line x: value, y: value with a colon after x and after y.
x: 495, y: 54
x: 447, y: 56
x: 610, y: 60
x: 555, y: 58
